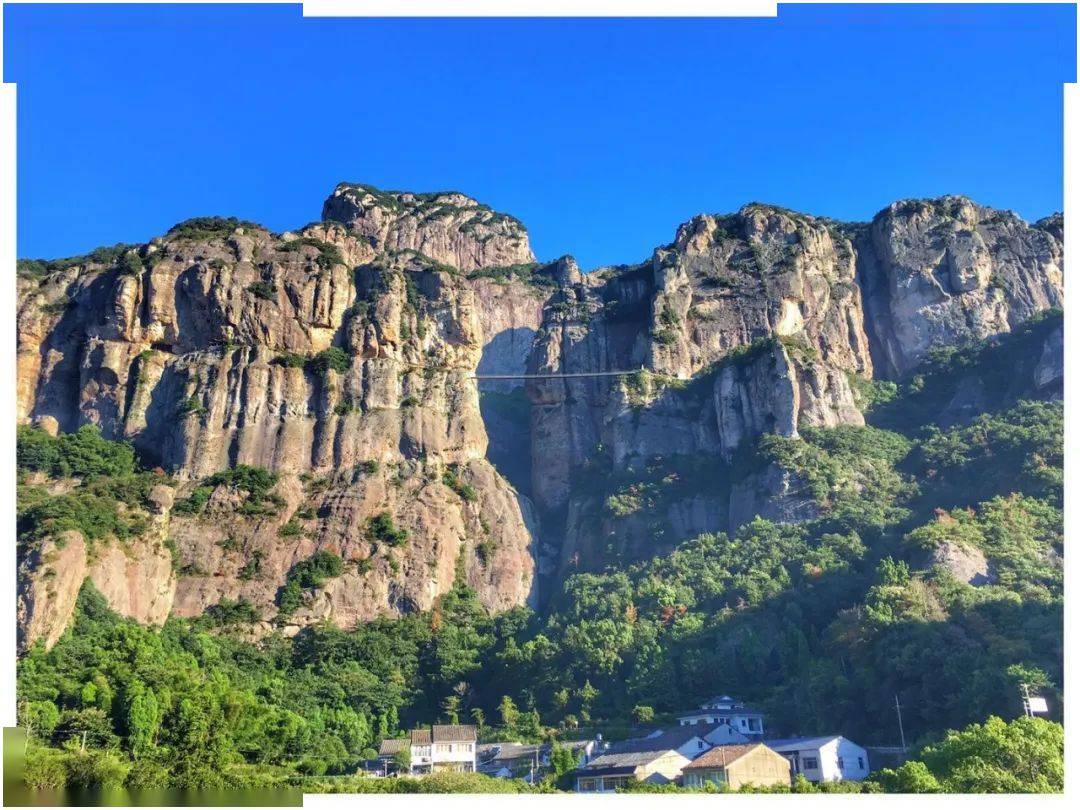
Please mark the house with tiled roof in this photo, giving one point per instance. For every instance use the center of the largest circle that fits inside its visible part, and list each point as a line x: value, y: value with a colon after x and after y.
x: 435, y: 749
x: 733, y: 766
x: 612, y: 769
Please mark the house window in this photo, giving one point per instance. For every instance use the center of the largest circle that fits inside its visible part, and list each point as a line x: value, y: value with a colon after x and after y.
x: 840, y: 763
x: 862, y: 765
x: 743, y: 722
x: 586, y: 784
x: 810, y: 762
x: 443, y: 748
x: 754, y: 724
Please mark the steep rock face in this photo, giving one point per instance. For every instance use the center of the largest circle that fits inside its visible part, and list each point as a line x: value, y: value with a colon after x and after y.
x: 342, y: 357
x: 963, y: 561
x: 49, y: 581
x: 511, y: 312
x: 775, y: 393
x: 745, y: 324
x: 313, y: 353
x: 1049, y: 375
x: 448, y: 227
x: 947, y: 271
x: 200, y: 360
x: 726, y: 281
x: 484, y: 537
x: 136, y: 577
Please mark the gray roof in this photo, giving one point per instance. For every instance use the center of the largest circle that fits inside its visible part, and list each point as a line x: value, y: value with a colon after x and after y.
x: 456, y: 733
x: 723, y: 755
x: 799, y: 743
x: 670, y: 739
x: 517, y: 750
x: 625, y: 759
x: 392, y: 746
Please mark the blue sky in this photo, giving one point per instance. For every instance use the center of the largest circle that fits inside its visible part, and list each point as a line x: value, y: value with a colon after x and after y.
x: 601, y: 135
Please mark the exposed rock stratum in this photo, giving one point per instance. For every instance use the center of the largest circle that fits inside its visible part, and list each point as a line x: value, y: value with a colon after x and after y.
x: 343, y: 357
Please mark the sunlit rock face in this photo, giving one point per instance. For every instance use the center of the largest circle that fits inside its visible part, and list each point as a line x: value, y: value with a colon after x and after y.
x: 343, y: 356
x: 947, y: 271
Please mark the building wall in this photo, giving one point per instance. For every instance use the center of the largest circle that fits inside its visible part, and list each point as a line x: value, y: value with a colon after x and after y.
x: 694, y: 747
x: 600, y: 784
x: 699, y: 778
x: 667, y: 767
x: 724, y: 735
x: 751, y: 724
x: 762, y: 767
x: 856, y: 761
x: 828, y: 759
x: 453, y: 756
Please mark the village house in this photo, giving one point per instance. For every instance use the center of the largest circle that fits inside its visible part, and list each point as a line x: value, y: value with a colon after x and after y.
x: 727, y: 711
x: 529, y: 761
x: 434, y: 750
x: 736, y: 765
x: 508, y: 760
x: 824, y: 759
x: 644, y: 760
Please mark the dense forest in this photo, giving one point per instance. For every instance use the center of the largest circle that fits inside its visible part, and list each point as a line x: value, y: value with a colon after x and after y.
x: 823, y: 624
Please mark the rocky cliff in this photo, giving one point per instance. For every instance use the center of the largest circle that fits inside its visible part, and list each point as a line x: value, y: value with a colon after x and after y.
x: 941, y: 272
x: 343, y: 358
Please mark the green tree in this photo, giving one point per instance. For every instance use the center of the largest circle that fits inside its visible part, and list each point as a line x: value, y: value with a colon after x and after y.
x: 478, y: 718
x: 911, y: 777
x: 1024, y: 756
x: 403, y: 760
x: 509, y: 713
x: 142, y: 718
x: 451, y: 705
x: 563, y: 760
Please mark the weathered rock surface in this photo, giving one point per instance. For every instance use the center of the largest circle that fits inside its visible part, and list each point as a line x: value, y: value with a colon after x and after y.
x: 215, y: 354
x: 947, y: 271
x: 486, y: 539
x: 745, y: 324
x: 342, y: 356
x: 135, y: 577
x: 49, y: 581
x: 446, y: 226
x: 963, y: 561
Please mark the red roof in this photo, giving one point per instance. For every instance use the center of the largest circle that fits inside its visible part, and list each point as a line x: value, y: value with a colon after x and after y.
x: 722, y: 755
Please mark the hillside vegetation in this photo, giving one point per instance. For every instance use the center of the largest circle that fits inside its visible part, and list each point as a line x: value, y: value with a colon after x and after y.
x: 821, y: 623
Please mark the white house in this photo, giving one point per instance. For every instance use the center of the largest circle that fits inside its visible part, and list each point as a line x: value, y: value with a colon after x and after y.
x: 725, y: 710
x: 453, y: 748
x: 824, y: 759
x: 435, y: 749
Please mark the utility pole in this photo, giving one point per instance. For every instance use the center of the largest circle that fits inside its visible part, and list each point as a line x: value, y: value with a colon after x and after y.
x: 900, y: 722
